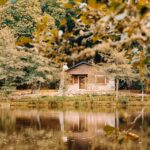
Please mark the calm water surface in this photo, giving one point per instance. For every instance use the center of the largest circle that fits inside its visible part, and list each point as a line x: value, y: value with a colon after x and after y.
x: 33, y: 129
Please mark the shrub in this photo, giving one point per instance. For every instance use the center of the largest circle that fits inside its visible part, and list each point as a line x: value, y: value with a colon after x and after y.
x: 123, y: 100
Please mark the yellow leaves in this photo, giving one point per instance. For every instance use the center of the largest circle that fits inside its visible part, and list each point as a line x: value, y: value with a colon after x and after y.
x: 94, y: 4
x: 46, y: 34
x: 68, y: 6
x: 145, y: 24
x: 95, y: 38
x: 54, y: 32
x: 116, y: 7
x: 132, y: 136
x: 45, y: 19
x: 108, y: 129
x: 86, y: 20
x: 148, y: 87
x: 68, y: 35
x: 78, y: 1
x: 3, y: 2
x: 143, y: 2
x: 23, y: 40
x: 44, y: 22
x: 63, y: 22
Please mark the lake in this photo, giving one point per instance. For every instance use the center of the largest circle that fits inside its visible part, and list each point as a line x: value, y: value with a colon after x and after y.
x: 51, y: 129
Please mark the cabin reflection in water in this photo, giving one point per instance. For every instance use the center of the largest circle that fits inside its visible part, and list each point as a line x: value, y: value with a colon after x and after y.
x: 70, y: 120
x: 84, y: 126
x: 64, y: 121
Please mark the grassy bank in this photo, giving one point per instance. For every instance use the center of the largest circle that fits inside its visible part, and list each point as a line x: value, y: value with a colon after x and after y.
x: 84, y: 101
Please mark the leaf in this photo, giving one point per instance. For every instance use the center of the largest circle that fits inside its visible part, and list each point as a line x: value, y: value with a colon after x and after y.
x: 92, y: 3
x: 86, y: 20
x: 121, y: 16
x: 23, y: 40
x: 121, y: 140
x: 63, y: 22
x: 143, y: 2
x: 109, y: 129
x: 68, y: 6
x: 55, y: 32
x: 95, y: 38
x: 3, y: 2
x: 132, y: 136
x: 77, y: 0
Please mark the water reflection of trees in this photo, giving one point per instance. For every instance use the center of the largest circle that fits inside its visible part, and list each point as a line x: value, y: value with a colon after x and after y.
x: 68, y: 121
x: 84, y: 128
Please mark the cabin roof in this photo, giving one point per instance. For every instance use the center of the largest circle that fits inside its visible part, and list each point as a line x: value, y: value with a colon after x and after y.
x: 78, y: 64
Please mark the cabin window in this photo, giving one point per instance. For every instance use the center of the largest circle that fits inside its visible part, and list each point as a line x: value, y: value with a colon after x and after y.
x: 100, y: 79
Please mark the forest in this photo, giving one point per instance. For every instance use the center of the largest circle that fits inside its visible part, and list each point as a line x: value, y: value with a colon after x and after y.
x: 38, y: 36
x: 41, y: 41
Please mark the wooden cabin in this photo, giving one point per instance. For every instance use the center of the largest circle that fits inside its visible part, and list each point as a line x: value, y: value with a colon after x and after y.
x: 85, y: 78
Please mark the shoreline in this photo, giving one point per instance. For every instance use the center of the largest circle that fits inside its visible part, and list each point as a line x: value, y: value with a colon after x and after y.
x: 83, y: 101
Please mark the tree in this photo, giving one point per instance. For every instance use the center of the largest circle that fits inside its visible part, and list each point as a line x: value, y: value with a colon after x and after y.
x: 118, y: 67
x: 20, y: 16
x: 121, y: 27
x: 10, y: 64
x: 22, y: 65
x: 59, y: 44
x: 140, y: 62
x: 87, y: 29
x: 98, y: 28
x: 37, y: 69
x: 55, y: 9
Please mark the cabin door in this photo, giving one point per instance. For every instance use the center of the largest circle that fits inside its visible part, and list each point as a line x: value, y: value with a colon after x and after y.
x: 82, y: 81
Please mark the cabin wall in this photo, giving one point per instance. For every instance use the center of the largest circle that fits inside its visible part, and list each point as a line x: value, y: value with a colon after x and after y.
x: 73, y: 89
x: 91, y: 89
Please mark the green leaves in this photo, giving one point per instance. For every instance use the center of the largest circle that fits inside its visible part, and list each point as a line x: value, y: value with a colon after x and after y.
x: 21, y: 17
x: 121, y: 140
x: 122, y: 136
x: 109, y: 129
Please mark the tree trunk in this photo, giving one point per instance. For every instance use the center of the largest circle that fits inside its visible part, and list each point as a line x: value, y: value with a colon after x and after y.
x: 128, y: 84
x: 33, y: 88
x: 62, y: 84
x: 142, y: 92
x: 117, y: 89
x: 39, y: 87
x: 142, y: 116
x: 116, y: 123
